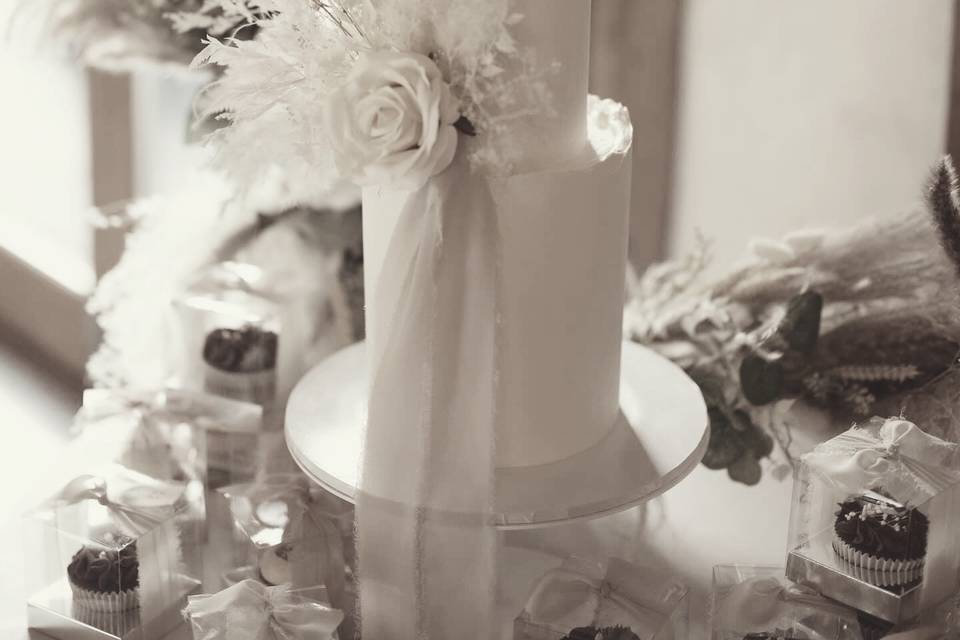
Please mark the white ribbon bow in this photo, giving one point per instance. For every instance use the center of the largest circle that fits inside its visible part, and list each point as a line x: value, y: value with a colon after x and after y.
x: 426, y: 546
x: 142, y: 406
x: 250, y: 610
x: 566, y: 597
x: 133, y: 521
x: 880, y: 454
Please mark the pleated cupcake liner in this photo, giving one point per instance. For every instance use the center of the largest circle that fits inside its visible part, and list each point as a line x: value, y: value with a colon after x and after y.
x: 95, y: 601
x: 116, y: 623
x: 883, y: 572
x: 258, y: 387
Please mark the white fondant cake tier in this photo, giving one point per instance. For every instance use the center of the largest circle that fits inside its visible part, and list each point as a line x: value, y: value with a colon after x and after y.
x: 554, y: 35
x: 562, y: 268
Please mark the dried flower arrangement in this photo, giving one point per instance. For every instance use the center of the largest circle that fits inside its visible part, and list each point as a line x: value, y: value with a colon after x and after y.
x: 848, y: 324
x: 270, y: 89
x: 310, y: 245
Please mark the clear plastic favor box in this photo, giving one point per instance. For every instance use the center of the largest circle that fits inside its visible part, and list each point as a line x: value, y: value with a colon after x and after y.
x: 284, y: 536
x: 157, y: 433
x: 759, y: 602
x: 104, y: 559
x: 174, y: 433
x: 876, y: 512
x: 230, y: 336
x: 153, y: 432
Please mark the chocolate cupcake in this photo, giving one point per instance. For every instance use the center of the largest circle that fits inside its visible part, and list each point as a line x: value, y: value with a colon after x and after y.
x: 883, y: 542
x: 350, y: 277
x: 106, y: 580
x: 873, y: 628
x: 241, y: 363
x: 605, y: 633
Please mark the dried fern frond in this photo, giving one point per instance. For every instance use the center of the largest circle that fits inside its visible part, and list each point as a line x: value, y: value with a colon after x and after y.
x: 875, y: 373
x: 941, y: 199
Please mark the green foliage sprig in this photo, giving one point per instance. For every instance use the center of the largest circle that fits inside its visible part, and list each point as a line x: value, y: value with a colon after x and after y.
x: 845, y: 323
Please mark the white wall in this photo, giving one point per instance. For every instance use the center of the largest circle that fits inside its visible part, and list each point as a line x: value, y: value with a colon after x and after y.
x: 633, y: 59
x: 798, y: 114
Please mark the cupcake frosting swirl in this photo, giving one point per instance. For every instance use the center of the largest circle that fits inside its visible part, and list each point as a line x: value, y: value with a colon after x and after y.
x: 883, y: 531
x: 604, y: 633
x: 105, y: 570
x: 248, y: 349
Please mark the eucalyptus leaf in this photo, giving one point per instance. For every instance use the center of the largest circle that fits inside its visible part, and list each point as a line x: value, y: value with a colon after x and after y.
x: 762, y: 380
x: 755, y: 439
x: 746, y: 470
x: 725, y: 446
x: 800, y: 327
x: 607, y: 633
x: 740, y: 421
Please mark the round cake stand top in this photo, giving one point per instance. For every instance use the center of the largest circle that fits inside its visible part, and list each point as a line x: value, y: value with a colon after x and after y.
x: 661, y: 436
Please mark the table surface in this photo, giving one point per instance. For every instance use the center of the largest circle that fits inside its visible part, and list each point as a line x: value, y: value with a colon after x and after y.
x: 704, y: 521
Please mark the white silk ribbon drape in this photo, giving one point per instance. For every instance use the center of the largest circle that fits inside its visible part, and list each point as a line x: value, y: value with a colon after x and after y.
x: 426, y: 545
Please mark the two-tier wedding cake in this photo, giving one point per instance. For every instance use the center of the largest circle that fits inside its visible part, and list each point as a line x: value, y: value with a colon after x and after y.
x: 496, y: 196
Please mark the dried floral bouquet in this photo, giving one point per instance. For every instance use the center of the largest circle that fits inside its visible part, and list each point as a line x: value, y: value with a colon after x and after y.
x: 835, y: 326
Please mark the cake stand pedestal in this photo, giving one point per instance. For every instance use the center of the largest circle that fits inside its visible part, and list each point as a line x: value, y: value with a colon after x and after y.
x: 660, y: 438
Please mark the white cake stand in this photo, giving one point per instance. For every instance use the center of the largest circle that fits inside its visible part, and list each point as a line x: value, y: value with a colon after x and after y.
x: 660, y: 439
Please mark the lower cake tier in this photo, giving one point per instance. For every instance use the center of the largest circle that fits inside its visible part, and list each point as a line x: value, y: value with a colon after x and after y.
x: 563, y: 253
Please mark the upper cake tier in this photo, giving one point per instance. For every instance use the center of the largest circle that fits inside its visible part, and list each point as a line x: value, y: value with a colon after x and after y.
x: 561, y: 272
x: 556, y: 33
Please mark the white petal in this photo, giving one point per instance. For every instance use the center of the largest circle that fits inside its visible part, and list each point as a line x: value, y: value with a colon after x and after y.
x: 805, y: 240
x: 771, y: 250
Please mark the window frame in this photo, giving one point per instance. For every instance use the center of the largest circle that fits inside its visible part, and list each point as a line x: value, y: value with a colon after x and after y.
x: 49, y: 314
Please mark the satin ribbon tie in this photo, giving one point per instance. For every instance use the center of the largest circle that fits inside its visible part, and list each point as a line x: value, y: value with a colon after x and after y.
x: 250, y: 610
x: 132, y: 520
x: 552, y: 597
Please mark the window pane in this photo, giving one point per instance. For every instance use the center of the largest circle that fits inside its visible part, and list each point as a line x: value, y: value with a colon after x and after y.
x: 45, y: 157
x: 164, y: 156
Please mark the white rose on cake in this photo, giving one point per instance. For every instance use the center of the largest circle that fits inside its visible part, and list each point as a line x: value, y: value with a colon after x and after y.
x: 610, y: 126
x: 392, y: 122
